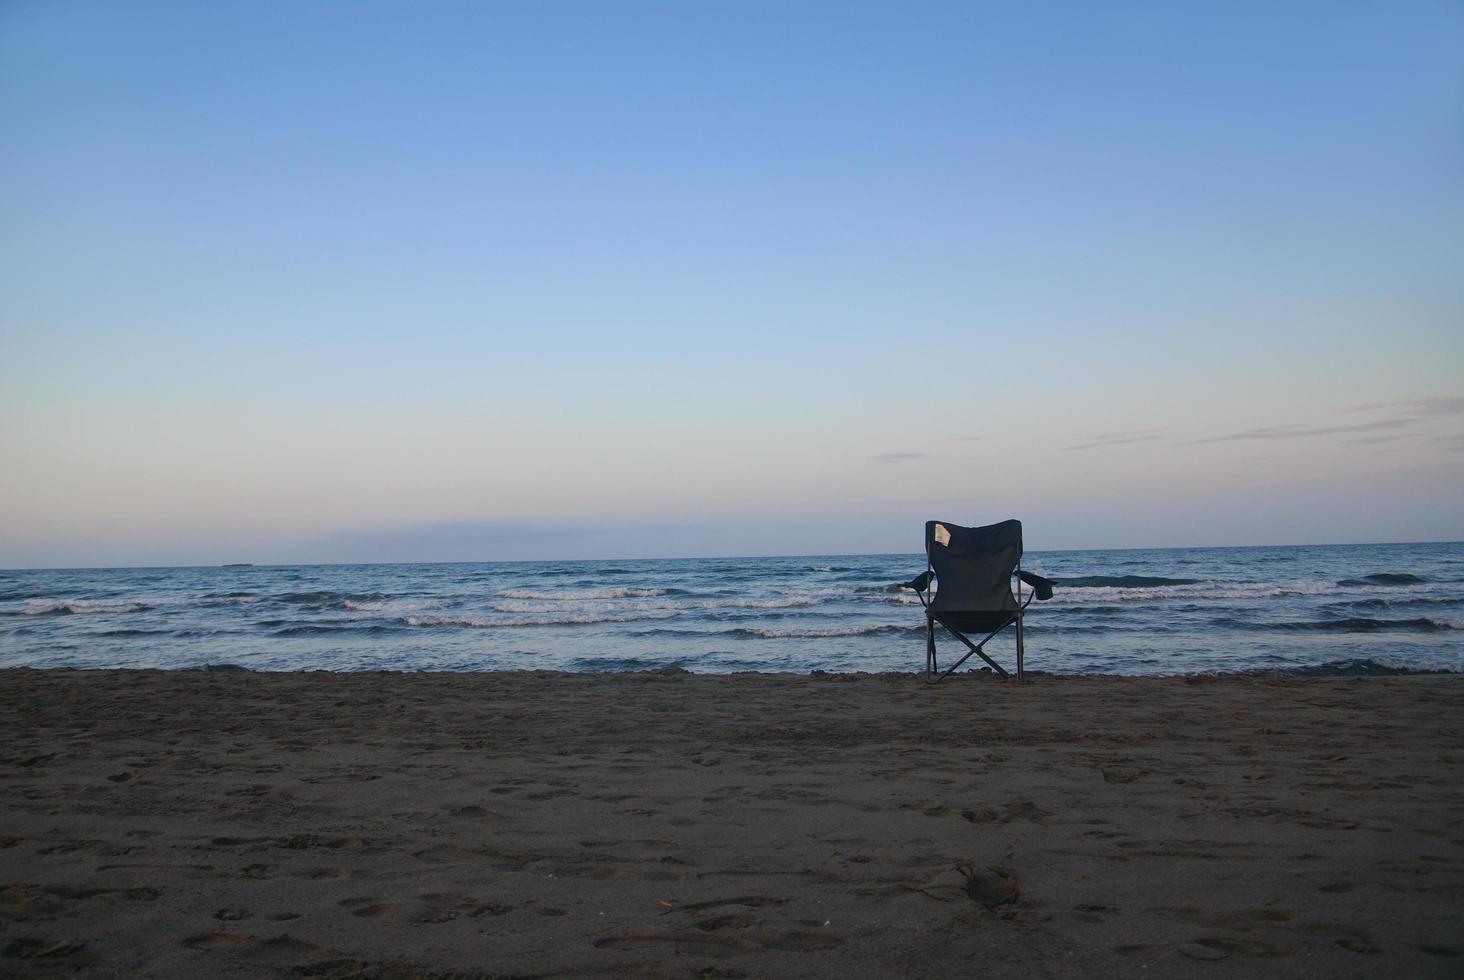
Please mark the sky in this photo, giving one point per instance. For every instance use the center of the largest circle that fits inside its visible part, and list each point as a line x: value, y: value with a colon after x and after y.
x: 299, y: 282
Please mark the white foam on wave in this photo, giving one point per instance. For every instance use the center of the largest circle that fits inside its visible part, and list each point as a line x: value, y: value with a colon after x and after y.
x: 637, y: 605
x: 395, y: 605
x: 580, y: 595
x: 78, y: 607
x: 794, y: 633
x: 570, y: 619
x: 792, y: 602
x: 1199, y: 591
x: 826, y: 592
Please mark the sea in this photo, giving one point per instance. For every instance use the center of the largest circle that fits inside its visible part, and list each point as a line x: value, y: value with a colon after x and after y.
x: 1345, y: 609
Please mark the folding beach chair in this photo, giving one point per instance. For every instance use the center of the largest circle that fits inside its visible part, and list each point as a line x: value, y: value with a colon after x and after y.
x: 974, y: 567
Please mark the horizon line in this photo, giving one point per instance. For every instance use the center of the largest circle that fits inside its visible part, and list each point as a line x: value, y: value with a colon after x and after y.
x: 561, y: 561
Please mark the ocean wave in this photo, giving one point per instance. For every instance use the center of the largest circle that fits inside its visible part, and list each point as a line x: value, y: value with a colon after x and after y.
x: 1384, y: 578
x: 624, y: 665
x: 1351, y: 625
x: 567, y: 619
x: 581, y: 595
x: 388, y: 602
x: 1363, y: 667
x: 796, y: 633
x: 673, y: 603
x: 325, y: 629
x: 394, y: 605
x: 583, y: 571
x: 1200, y: 591
x: 74, y: 607
x: 1397, y: 603
x: 314, y: 598
x: 1121, y: 582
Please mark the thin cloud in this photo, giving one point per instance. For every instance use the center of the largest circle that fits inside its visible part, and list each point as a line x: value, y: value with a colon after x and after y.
x: 1453, y: 443
x: 1417, y: 408
x: 1305, y: 431
x: 1119, y: 438
x: 898, y: 457
x: 1374, y: 440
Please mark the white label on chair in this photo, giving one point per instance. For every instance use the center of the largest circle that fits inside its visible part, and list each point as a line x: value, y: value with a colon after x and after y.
x: 942, y: 536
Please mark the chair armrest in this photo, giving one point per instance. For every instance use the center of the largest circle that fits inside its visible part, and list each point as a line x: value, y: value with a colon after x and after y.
x: 919, y: 583
x: 1042, y: 586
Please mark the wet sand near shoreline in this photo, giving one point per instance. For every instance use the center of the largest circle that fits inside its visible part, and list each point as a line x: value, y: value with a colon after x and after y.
x: 187, y: 824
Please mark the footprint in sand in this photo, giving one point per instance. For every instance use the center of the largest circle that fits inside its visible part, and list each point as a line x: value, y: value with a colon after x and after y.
x: 317, y: 874
x: 36, y: 948
x: 1227, y: 945
x: 1121, y: 774
x: 472, y: 813
x: 733, y: 920
x: 746, y: 901
x: 273, y: 948
x: 216, y: 939
x: 374, y: 911
x: 343, y: 969
x: 694, y: 943
x: 446, y: 906
x: 1198, y: 951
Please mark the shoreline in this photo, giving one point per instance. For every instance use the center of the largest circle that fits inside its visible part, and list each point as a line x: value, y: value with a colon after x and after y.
x: 179, y: 823
x: 1336, y: 669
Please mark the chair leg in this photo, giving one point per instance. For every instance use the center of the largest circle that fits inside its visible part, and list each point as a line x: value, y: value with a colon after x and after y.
x: 1020, y: 651
x: 930, y: 665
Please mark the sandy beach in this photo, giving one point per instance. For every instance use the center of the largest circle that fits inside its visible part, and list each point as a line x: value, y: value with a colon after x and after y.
x: 191, y: 824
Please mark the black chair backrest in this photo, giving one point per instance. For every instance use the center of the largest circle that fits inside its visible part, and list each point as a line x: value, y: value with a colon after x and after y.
x: 974, y: 565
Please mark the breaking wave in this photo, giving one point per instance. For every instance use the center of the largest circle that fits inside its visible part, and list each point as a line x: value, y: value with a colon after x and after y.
x: 1122, y: 582
x: 326, y: 629
x: 582, y: 595
x: 799, y: 633
x: 1384, y: 578
x: 394, y: 605
x: 1352, y: 625
x: 74, y: 607
x: 1363, y: 667
x: 569, y: 619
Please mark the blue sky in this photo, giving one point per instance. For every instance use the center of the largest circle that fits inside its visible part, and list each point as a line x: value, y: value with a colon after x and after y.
x: 329, y: 281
